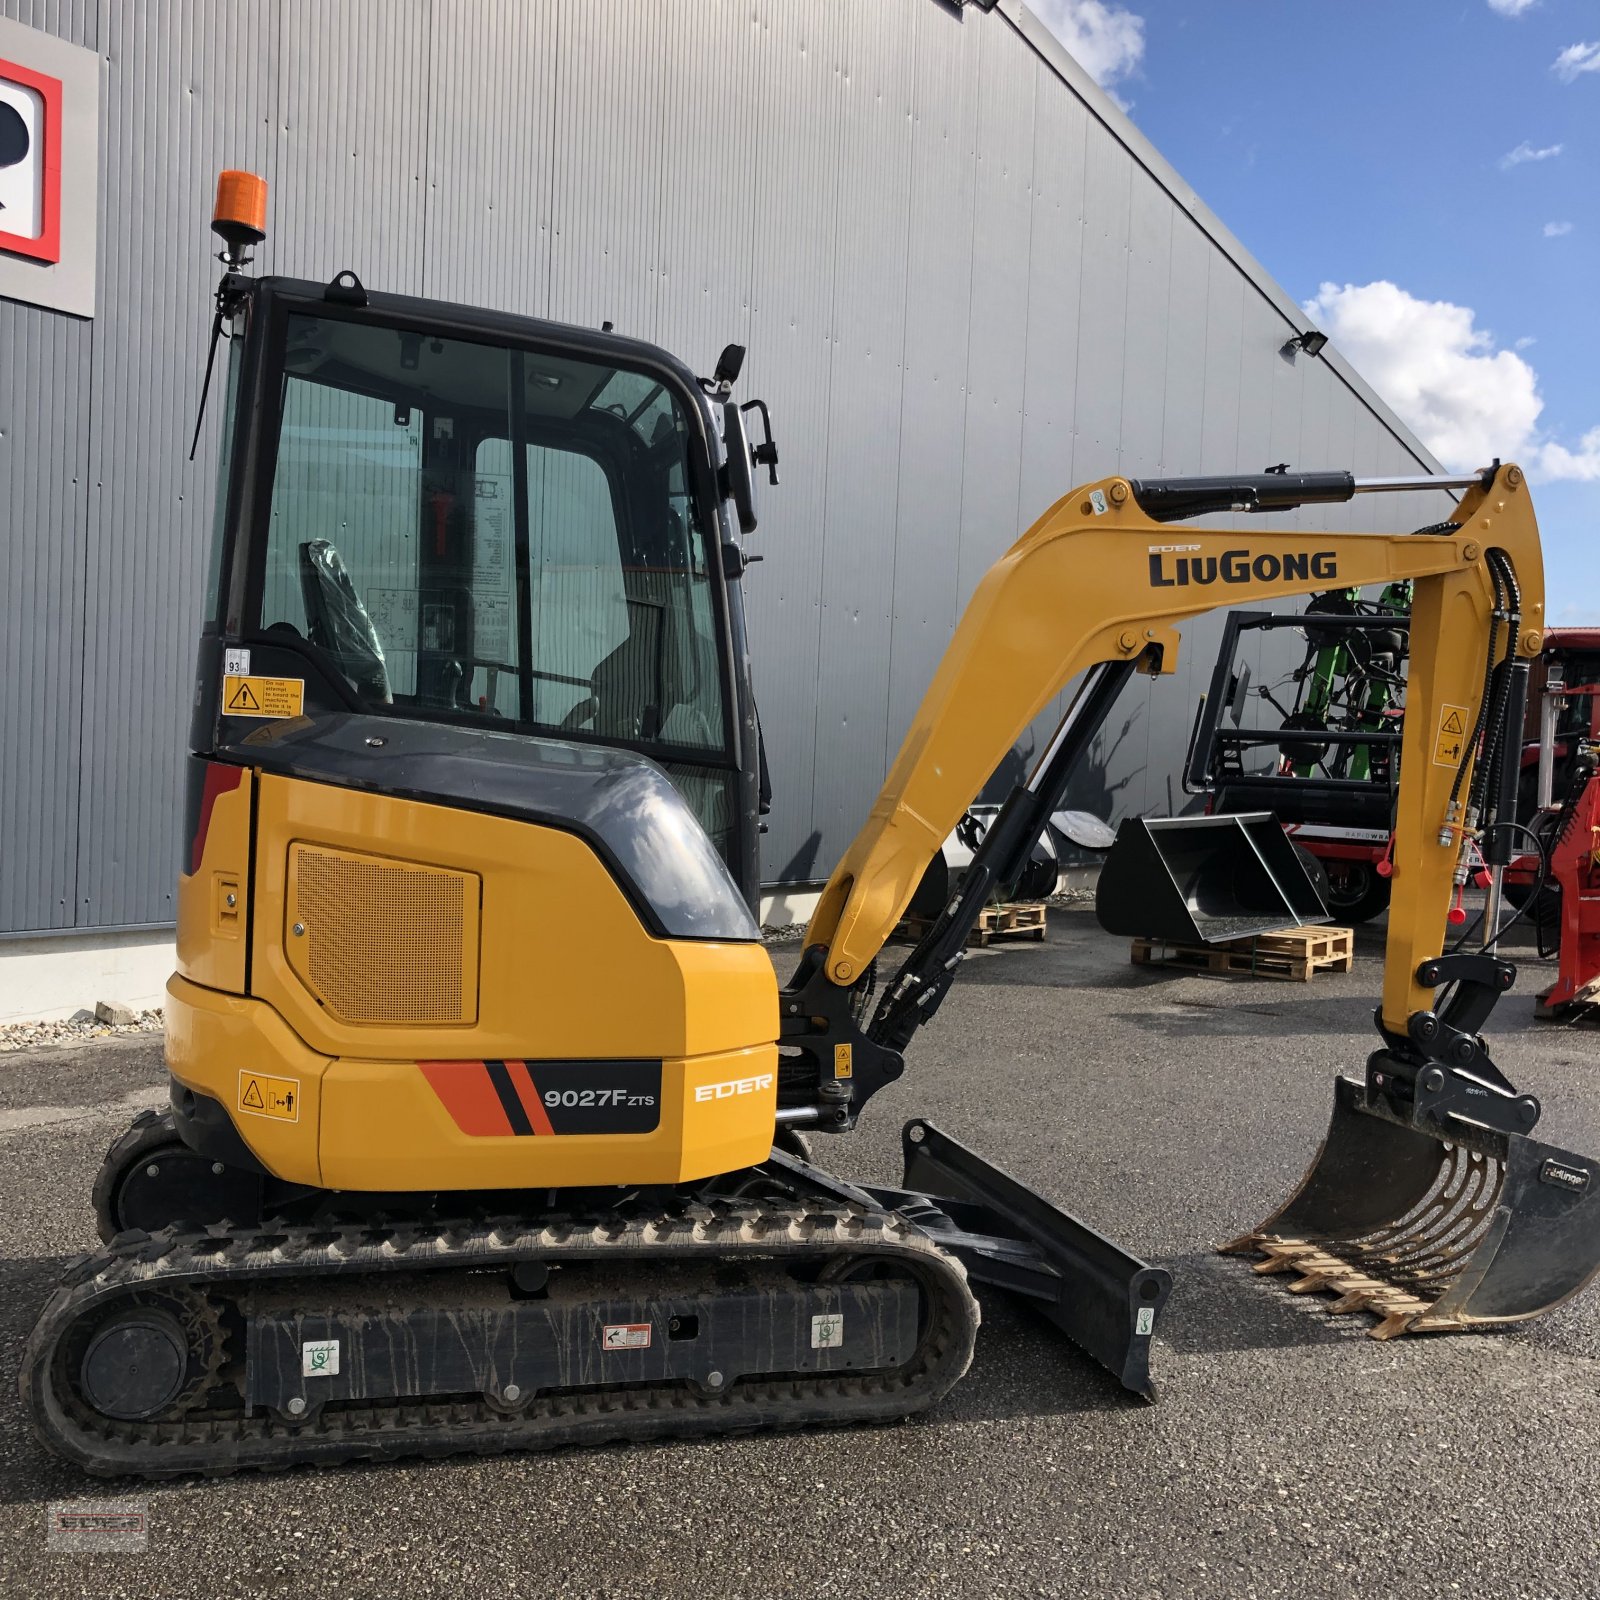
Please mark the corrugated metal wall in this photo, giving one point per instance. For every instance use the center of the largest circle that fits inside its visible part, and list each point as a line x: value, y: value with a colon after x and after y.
x: 962, y: 292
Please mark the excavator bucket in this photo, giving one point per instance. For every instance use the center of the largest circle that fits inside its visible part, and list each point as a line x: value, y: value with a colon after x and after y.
x: 1202, y: 880
x: 1429, y: 1235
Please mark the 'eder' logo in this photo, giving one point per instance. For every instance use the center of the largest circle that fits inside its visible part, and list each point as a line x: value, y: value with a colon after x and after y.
x: 1239, y: 566
x: 30, y: 163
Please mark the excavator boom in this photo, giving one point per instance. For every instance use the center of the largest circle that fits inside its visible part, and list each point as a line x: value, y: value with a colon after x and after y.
x: 1099, y: 579
x: 1429, y: 1205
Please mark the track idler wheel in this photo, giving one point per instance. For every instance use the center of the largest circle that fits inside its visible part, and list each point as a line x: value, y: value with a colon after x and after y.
x: 150, y: 1180
x: 151, y: 1358
x: 1430, y: 1235
x: 135, y: 1366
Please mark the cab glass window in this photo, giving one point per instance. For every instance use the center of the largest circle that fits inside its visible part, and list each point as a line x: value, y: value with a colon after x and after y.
x: 468, y: 531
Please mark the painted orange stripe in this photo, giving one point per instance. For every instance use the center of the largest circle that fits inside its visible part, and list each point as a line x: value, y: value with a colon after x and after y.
x: 528, y: 1094
x: 468, y: 1096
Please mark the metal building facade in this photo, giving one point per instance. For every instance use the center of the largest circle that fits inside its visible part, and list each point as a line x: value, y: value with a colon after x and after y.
x: 965, y: 282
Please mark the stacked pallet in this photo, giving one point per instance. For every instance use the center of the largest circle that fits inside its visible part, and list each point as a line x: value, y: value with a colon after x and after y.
x: 1021, y: 920
x: 1295, y: 955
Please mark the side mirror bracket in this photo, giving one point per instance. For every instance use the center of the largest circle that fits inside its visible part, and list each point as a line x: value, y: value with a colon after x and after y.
x: 738, y: 474
x: 764, y: 454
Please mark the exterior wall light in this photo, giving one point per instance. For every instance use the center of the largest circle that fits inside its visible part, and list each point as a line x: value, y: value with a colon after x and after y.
x: 1310, y: 341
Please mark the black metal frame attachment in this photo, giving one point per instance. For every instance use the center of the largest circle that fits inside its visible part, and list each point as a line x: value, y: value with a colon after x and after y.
x: 1104, y: 1299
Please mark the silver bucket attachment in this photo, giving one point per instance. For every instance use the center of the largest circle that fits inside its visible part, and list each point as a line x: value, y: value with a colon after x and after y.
x: 1203, y: 880
x: 1429, y: 1235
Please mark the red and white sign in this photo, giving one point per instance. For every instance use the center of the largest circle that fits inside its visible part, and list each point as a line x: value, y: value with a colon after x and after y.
x: 30, y: 163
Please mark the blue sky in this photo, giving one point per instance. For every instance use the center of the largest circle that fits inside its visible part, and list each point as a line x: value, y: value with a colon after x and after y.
x: 1436, y: 163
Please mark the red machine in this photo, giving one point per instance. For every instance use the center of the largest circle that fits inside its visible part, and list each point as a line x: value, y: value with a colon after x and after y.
x: 1566, y: 813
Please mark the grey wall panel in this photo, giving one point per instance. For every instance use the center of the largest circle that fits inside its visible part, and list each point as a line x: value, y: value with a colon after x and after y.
x: 1260, y: 336
x: 351, y: 129
x: 76, y: 21
x: 1284, y: 424
x: 708, y: 197
x: 997, y: 348
x: 1102, y: 303
x: 1315, y: 384
x: 44, y: 413
x: 609, y: 163
x: 1143, y: 423
x: 798, y: 93
x: 939, y: 292
x: 1339, y: 450
x: 962, y: 284
x: 491, y: 142
x: 1055, y: 283
x: 864, y: 417
x: 173, y: 86
x: 1219, y: 422
x: 1183, y: 407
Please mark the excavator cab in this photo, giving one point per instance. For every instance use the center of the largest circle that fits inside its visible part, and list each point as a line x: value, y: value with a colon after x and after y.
x: 481, y: 523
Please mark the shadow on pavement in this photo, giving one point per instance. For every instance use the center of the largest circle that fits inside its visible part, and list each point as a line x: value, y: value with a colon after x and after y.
x: 1218, y: 1305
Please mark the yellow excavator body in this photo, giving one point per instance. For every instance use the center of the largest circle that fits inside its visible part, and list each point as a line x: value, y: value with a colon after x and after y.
x: 488, y: 1114
x: 423, y: 981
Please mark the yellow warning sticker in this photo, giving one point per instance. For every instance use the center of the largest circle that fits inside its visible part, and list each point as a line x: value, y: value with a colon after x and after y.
x: 1451, y: 739
x: 263, y: 1096
x: 843, y: 1064
x: 263, y: 697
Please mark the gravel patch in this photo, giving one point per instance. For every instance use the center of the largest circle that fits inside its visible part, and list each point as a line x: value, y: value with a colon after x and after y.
x: 77, y: 1029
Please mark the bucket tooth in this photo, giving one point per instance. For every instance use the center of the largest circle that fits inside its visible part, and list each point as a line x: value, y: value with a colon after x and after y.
x: 1394, y: 1323
x: 1430, y: 1235
x: 1353, y: 1299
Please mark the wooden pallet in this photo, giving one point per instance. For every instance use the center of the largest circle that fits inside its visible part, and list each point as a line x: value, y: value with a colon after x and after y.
x: 1021, y: 920
x: 1294, y: 954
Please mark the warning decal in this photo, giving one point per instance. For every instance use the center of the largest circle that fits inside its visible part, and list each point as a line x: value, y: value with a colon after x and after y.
x: 625, y: 1336
x: 263, y: 1096
x: 843, y: 1061
x: 1451, y: 739
x: 263, y: 697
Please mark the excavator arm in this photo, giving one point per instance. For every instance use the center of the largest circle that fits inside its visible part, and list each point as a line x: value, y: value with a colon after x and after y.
x: 1098, y: 586
x: 1429, y: 1205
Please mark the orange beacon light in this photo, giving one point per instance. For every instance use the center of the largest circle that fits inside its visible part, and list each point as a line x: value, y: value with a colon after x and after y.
x: 240, y: 216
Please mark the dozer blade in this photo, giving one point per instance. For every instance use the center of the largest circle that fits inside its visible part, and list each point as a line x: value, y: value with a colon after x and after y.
x: 1202, y: 880
x: 1103, y: 1298
x: 1430, y: 1235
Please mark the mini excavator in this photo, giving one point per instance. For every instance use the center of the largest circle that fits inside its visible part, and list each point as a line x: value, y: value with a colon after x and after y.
x: 488, y: 1115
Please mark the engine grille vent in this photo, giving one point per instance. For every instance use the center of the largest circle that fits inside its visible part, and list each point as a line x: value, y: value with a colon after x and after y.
x: 384, y: 942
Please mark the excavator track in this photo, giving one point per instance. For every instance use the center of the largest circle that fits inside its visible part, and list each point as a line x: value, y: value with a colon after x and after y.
x: 713, y: 1301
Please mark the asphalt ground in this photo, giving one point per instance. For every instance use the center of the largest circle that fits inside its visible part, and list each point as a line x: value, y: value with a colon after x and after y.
x: 1288, y: 1454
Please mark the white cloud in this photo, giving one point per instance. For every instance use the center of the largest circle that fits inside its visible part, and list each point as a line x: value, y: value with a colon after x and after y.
x: 1105, y: 39
x: 1512, y: 8
x: 1525, y: 341
x: 1554, y: 230
x: 1468, y: 401
x: 1526, y: 152
x: 1576, y: 58
x: 1583, y: 464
